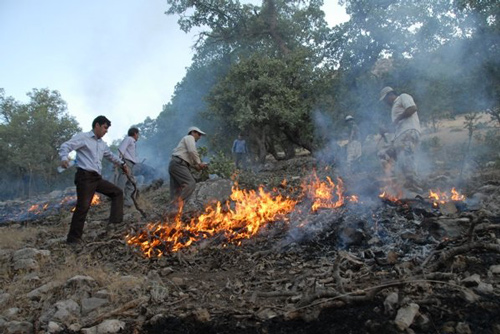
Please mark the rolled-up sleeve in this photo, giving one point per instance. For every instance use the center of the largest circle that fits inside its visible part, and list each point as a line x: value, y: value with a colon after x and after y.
x: 192, y: 151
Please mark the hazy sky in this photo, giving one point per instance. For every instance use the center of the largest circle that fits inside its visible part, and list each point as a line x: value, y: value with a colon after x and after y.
x: 119, y: 58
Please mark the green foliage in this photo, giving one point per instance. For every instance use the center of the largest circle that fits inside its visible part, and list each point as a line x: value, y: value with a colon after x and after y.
x: 221, y: 165
x: 275, y: 65
x: 30, y: 135
x: 433, y: 143
x: 485, y: 153
x: 269, y: 99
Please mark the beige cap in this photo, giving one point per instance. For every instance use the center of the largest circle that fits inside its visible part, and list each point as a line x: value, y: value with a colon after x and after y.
x: 384, y: 92
x: 194, y: 128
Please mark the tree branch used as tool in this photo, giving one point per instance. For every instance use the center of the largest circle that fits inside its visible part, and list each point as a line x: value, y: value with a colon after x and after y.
x: 135, y: 192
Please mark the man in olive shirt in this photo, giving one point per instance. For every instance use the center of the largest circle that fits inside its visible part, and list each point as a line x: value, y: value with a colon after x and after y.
x: 185, y: 155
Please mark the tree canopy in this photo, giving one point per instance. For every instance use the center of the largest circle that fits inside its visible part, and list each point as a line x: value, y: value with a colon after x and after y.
x: 271, y: 71
x: 30, y: 135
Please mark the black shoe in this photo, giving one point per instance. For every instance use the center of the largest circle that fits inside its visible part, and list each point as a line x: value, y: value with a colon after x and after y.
x: 74, y: 241
x: 75, y: 244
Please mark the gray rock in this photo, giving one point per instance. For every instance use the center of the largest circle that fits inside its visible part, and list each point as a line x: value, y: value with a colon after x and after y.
x: 390, y: 303
x: 484, y: 288
x: 30, y: 253
x: 91, y: 330
x: 26, y: 265
x: 4, y: 298
x: 110, y: 326
x: 75, y: 327
x: 54, y: 327
x: 18, y: 327
x: 103, y: 294
x: 27, y: 258
x: 39, y: 292
x: 90, y: 304
x: 495, y: 269
x: 67, y: 311
x: 208, y: 192
x: 10, y: 313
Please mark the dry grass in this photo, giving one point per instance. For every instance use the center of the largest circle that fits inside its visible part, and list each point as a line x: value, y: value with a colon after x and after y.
x: 15, y: 237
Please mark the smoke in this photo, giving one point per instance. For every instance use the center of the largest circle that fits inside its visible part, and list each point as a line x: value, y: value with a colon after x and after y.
x: 331, y: 153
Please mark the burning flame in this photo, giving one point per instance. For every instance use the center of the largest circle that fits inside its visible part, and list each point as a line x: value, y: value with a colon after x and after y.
x: 247, y: 212
x: 240, y: 219
x: 326, y: 194
x: 440, y: 197
x: 436, y: 197
x: 386, y: 195
x: 38, y: 208
x: 95, y: 201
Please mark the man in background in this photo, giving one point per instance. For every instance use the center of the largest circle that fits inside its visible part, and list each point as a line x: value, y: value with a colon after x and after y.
x: 353, y: 144
x: 239, y: 150
x: 90, y: 150
x: 127, y: 150
x: 406, y: 139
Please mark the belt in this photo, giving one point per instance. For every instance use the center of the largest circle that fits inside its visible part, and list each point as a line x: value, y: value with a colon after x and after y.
x: 180, y: 160
x: 81, y: 170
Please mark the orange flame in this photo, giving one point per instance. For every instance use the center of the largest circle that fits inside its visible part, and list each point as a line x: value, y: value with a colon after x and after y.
x: 241, y: 218
x: 95, y: 201
x: 441, y: 197
x: 38, y: 208
x: 247, y: 212
x: 326, y: 194
x: 391, y: 193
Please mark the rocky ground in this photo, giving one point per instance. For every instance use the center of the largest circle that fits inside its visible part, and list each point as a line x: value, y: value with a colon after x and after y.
x: 371, y: 266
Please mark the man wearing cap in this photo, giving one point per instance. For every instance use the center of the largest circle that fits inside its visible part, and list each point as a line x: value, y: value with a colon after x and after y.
x: 353, y: 145
x: 185, y: 155
x: 407, y: 133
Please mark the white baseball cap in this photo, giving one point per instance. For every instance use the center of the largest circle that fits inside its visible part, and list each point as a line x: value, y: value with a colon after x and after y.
x: 384, y: 92
x: 349, y: 117
x: 194, y: 128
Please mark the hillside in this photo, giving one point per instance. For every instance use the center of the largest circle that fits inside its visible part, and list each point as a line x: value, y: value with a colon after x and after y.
x: 356, y: 264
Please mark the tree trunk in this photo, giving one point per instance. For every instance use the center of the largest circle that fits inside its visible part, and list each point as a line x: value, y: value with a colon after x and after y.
x: 294, y: 137
x: 271, y: 16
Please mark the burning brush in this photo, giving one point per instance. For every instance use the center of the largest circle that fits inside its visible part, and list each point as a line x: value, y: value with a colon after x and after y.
x: 435, y: 199
x: 242, y: 217
x: 238, y: 219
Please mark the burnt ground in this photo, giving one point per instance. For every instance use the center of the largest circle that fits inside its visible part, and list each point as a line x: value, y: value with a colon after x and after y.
x: 356, y: 269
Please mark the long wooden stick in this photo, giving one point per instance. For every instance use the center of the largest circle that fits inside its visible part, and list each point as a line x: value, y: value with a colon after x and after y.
x: 133, y: 195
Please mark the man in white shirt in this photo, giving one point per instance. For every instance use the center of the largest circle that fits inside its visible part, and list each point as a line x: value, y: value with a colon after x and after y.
x: 127, y: 151
x: 185, y: 155
x: 406, y: 139
x: 90, y: 150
